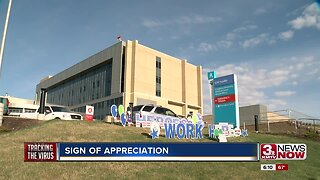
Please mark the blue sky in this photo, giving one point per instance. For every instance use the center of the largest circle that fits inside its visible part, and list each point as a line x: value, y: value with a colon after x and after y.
x: 273, y: 46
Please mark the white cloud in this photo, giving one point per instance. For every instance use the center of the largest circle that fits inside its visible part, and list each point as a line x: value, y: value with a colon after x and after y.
x: 309, y: 18
x: 259, y: 11
x: 206, y: 47
x: 151, y: 23
x: 231, y: 36
x: 308, y: 60
x: 224, y: 44
x: 299, y: 66
x: 295, y: 63
x: 284, y: 93
x: 254, y: 81
x: 261, y: 38
x: 251, y: 82
x: 234, y: 34
x: 275, y: 104
x: 175, y: 37
x: 313, y: 72
x: 286, y: 35
x: 182, y: 20
x: 245, y: 28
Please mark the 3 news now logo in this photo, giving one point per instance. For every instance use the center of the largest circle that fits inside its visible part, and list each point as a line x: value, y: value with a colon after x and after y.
x: 283, y: 151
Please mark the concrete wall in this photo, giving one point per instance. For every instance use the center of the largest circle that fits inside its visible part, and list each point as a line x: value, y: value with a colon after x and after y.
x: 247, y: 114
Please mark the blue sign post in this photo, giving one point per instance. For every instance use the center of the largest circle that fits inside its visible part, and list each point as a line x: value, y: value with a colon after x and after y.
x: 225, y: 100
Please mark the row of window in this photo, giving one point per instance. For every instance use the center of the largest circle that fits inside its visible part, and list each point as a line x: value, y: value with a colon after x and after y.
x: 21, y: 110
x: 101, y: 109
x: 87, y: 86
x: 158, y: 76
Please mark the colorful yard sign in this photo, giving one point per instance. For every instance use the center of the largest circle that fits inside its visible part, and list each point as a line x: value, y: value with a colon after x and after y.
x: 89, y: 113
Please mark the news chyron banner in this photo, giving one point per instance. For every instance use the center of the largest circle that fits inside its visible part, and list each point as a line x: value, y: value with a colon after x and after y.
x: 283, y: 151
x: 63, y: 151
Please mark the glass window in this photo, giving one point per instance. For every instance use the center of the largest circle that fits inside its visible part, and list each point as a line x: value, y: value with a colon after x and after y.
x: 120, y: 100
x: 117, y: 101
x: 15, y: 110
x: 168, y: 112
x: 71, y: 92
x: 158, y: 80
x: 47, y: 110
x: 59, y: 109
x: 108, y: 104
x: 137, y: 108
x: 158, y: 62
x: 160, y: 110
x: 147, y: 108
x: 158, y: 76
x: 158, y: 93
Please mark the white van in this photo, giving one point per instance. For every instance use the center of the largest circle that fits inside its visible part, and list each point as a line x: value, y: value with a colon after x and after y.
x: 54, y: 112
x: 18, y: 109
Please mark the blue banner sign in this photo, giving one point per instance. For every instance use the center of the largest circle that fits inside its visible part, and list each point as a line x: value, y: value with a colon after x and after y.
x: 225, y: 106
x: 157, y: 151
x: 224, y: 80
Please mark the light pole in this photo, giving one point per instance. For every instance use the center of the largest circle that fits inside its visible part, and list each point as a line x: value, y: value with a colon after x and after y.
x: 4, y: 34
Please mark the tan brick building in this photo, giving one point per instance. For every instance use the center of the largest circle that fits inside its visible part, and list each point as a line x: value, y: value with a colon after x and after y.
x: 123, y: 73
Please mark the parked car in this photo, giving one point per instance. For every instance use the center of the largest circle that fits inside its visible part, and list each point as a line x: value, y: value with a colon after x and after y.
x: 54, y: 112
x: 5, y: 102
x: 152, y: 110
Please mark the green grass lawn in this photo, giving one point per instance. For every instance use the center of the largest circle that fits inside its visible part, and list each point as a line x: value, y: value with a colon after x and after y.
x: 12, y: 165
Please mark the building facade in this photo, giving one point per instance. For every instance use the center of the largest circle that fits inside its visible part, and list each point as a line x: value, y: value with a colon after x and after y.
x: 123, y: 73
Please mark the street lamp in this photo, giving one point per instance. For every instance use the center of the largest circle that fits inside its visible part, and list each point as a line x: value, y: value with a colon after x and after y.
x: 4, y: 34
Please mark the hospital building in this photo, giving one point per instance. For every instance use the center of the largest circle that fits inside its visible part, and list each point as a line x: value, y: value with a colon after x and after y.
x: 127, y: 72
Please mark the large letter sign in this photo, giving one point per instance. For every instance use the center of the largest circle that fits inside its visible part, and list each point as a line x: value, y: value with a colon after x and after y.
x: 225, y: 100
